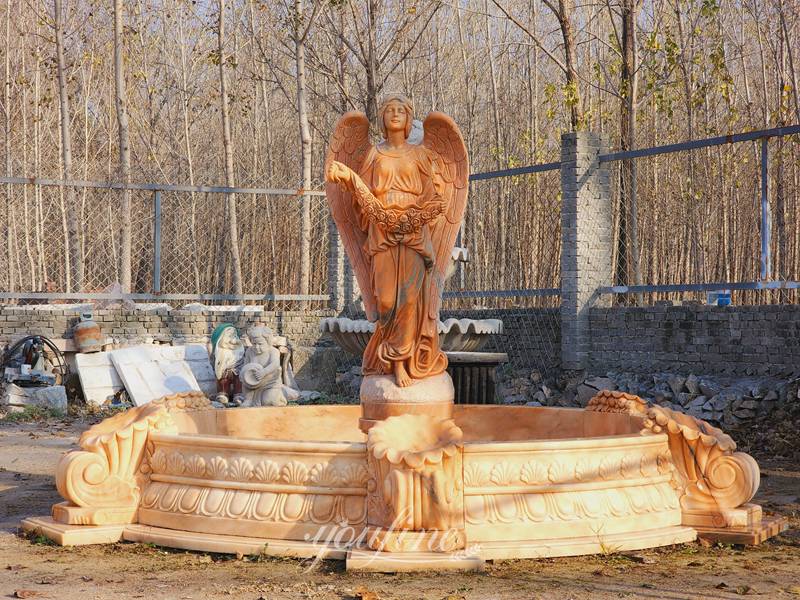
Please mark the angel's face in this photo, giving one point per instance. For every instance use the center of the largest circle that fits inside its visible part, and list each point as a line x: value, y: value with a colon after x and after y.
x: 395, y: 117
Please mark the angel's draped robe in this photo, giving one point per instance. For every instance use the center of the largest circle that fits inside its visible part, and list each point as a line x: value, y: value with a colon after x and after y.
x: 402, y: 264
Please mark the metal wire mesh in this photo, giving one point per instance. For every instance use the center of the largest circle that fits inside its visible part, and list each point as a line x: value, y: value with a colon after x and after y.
x: 36, y: 257
x: 694, y: 217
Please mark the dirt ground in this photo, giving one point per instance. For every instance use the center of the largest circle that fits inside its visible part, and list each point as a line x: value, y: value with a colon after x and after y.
x: 34, y: 568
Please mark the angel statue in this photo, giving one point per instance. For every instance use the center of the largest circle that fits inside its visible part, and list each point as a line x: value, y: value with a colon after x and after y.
x: 398, y: 207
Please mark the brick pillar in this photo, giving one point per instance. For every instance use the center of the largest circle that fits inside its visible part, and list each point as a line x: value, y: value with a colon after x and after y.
x: 336, y: 267
x: 586, y: 241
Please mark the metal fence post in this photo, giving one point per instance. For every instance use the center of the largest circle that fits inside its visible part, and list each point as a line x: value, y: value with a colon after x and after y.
x: 157, y: 242
x: 766, y: 258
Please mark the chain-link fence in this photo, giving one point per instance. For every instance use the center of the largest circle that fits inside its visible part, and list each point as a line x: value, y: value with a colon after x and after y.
x: 180, y: 244
x: 687, y: 220
x: 706, y: 216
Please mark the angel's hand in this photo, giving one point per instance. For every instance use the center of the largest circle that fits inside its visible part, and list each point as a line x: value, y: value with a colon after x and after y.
x: 338, y: 173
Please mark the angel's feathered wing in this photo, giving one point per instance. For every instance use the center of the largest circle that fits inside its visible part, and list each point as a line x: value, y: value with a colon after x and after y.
x: 349, y: 145
x: 443, y: 138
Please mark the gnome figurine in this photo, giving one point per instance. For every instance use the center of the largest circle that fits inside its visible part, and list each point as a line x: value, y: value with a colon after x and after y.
x: 228, y: 352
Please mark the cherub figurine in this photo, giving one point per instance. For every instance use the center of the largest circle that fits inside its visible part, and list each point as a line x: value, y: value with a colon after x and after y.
x: 228, y: 354
x: 261, y: 374
x: 398, y: 207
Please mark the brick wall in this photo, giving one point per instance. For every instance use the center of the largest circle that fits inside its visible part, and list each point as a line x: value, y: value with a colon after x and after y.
x: 741, y: 340
x: 736, y: 340
x: 314, y: 358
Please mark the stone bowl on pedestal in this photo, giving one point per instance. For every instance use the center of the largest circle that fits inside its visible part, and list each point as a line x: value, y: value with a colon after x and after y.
x: 455, y: 335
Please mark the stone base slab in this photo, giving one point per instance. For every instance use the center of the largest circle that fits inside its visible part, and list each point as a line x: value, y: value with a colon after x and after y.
x: 371, y: 561
x: 364, y: 559
x: 747, y: 515
x: 601, y: 544
x: 229, y: 544
x: 750, y: 535
x: 72, y: 535
x: 69, y: 514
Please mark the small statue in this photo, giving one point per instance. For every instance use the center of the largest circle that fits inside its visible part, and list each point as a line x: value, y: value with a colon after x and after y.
x: 228, y: 354
x: 262, y: 373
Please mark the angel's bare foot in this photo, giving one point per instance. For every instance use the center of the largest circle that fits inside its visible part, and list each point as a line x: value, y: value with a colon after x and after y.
x: 401, y: 376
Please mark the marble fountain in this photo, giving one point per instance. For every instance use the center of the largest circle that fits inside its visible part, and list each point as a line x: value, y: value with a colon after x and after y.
x: 407, y: 480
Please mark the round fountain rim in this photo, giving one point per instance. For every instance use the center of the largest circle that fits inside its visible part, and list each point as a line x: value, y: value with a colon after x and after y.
x: 471, y: 445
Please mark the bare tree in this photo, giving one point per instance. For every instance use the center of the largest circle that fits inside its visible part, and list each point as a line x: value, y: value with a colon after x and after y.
x: 230, y: 180
x: 302, y: 24
x: 121, y: 103
x: 73, y: 257
x: 7, y: 128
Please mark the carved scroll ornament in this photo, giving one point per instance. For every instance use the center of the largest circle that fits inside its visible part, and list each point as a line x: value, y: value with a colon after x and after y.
x: 710, y: 474
x: 102, y: 482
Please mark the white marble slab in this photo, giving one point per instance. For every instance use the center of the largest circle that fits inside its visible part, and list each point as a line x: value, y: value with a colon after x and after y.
x: 99, y: 378
x: 148, y: 375
x: 150, y: 368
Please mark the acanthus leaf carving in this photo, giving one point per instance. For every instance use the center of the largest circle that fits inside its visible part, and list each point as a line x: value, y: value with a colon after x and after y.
x: 217, y: 468
x: 503, y: 474
x: 325, y: 475
x: 196, y: 466
x: 533, y: 472
x: 241, y: 469
x: 267, y: 472
x: 294, y: 473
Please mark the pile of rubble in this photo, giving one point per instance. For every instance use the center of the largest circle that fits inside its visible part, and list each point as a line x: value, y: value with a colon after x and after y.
x: 723, y: 400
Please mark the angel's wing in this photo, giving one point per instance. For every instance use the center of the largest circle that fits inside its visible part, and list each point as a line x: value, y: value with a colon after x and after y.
x: 349, y: 145
x: 443, y: 138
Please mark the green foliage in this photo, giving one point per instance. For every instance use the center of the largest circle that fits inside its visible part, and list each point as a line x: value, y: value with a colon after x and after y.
x: 31, y: 414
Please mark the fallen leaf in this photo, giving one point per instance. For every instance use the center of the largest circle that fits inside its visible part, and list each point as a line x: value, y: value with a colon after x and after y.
x: 638, y: 558
x: 694, y: 563
x: 15, y: 567
x: 363, y: 593
x: 86, y: 578
x: 26, y: 594
x: 743, y: 590
x: 649, y: 586
x: 721, y: 585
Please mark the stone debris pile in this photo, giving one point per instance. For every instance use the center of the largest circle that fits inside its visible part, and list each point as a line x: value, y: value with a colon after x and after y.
x: 727, y: 401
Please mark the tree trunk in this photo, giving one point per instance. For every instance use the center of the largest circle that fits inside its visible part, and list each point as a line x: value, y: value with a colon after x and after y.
x: 124, y: 149
x: 572, y: 92
x: 74, y: 262
x: 372, y: 66
x: 628, y: 203
x: 233, y: 229
x: 9, y: 166
x: 187, y: 144
x: 305, y: 147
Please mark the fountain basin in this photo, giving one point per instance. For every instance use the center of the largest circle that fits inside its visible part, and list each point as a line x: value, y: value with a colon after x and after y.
x: 493, y: 482
x: 455, y: 335
x: 537, y: 481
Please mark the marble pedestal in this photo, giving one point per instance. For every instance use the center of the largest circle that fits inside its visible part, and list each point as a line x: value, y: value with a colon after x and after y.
x: 382, y: 398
